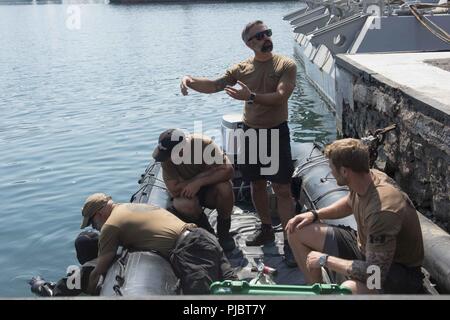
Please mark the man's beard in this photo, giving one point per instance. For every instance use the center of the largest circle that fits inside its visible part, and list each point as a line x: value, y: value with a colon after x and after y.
x: 267, y: 46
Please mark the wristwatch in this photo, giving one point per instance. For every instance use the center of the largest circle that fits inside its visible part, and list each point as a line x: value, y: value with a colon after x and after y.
x: 251, y: 99
x: 323, y: 260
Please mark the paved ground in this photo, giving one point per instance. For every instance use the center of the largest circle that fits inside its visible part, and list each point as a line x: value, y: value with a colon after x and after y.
x: 423, y: 74
x: 444, y: 64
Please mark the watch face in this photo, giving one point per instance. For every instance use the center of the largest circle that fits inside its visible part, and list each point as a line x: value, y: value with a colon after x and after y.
x: 322, y: 260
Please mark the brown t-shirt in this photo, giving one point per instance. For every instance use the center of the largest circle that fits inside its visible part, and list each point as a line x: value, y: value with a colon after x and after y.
x: 200, y: 154
x: 140, y: 227
x: 263, y: 77
x: 385, y: 212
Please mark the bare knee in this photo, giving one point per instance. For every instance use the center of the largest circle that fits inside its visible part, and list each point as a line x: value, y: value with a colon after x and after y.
x: 297, y: 236
x: 350, y: 284
x: 293, y: 238
x: 188, y: 207
x: 357, y: 287
x: 311, y: 236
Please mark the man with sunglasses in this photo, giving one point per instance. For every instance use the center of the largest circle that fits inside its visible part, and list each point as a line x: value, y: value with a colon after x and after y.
x: 266, y: 82
x: 194, y: 253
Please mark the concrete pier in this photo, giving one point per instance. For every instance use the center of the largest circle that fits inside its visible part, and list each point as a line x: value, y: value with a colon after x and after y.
x: 411, y: 90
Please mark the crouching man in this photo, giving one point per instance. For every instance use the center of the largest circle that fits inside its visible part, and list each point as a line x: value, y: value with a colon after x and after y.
x: 388, y: 242
x: 195, y: 255
x: 198, y: 174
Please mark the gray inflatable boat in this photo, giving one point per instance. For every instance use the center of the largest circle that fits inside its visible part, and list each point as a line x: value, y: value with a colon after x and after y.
x: 313, y: 186
x: 147, y: 273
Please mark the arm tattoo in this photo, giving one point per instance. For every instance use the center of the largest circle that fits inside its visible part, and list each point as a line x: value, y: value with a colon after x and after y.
x: 358, y: 270
x: 382, y: 259
x: 220, y: 84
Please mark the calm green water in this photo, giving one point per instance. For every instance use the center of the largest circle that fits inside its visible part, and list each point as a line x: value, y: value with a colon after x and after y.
x: 81, y: 110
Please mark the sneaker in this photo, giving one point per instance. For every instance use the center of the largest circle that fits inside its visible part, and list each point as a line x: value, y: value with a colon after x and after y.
x: 289, y: 256
x: 263, y: 235
x: 227, y: 243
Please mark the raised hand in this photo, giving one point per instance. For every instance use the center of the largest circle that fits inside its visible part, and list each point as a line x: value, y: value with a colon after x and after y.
x: 239, y: 94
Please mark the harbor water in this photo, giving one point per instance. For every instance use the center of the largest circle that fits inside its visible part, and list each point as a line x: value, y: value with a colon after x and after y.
x: 83, y: 102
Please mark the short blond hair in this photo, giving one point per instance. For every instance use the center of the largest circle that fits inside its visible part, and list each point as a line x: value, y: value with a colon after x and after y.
x: 349, y: 153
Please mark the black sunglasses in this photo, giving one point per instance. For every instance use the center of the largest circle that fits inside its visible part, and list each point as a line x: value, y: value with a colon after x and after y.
x: 260, y: 35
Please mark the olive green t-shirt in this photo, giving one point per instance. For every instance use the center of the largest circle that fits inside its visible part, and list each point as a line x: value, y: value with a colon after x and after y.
x: 263, y: 77
x: 385, y: 212
x: 203, y: 154
x: 140, y: 227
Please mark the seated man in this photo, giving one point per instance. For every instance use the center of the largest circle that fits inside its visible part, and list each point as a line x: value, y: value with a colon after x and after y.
x: 196, y: 256
x: 86, y: 246
x: 388, y: 243
x: 198, y: 174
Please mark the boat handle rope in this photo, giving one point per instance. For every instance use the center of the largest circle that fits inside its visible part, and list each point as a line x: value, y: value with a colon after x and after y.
x: 299, y: 170
x: 315, y: 201
x: 326, y: 178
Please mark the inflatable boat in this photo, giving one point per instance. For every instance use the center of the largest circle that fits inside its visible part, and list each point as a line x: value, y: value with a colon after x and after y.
x: 262, y: 269
x: 313, y: 186
x: 147, y: 273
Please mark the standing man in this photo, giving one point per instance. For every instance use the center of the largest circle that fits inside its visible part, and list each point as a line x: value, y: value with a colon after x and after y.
x: 201, y: 178
x: 388, y: 246
x: 266, y: 82
x: 195, y: 255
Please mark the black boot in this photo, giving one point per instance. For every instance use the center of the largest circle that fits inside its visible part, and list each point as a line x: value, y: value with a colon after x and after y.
x: 203, y: 222
x: 223, y: 232
x: 264, y: 235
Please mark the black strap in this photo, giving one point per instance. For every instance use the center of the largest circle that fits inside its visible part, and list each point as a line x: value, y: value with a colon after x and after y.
x: 316, y: 215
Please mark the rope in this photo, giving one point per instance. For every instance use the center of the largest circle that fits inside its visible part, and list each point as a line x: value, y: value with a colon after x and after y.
x: 427, y: 23
x: 430, y: 5
x: 143, y: 182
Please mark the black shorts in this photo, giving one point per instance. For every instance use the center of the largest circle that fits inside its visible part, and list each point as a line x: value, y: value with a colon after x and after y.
x: 341, y: 241
x: 252, y: 171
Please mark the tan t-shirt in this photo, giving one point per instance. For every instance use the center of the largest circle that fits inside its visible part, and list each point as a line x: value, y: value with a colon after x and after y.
x: 263, y: 77
x: 203, y: 152
x: 387, y: 211
x: 140, y: 227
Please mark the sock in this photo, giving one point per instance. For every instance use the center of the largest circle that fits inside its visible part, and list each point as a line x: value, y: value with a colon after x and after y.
x: 223, y: 227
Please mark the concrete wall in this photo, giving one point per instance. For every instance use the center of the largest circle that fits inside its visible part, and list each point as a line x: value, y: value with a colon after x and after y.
x: 417, y: 154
